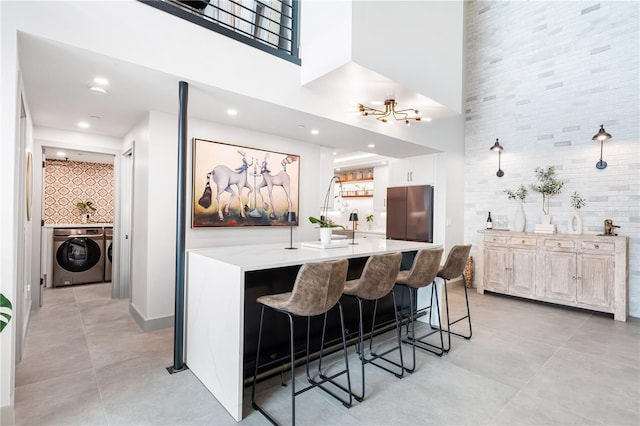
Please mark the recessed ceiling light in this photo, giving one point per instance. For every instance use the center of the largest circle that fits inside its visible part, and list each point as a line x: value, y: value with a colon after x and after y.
x: 97, y: 90
x: 232, y: 112
x: 101, y: 81
x: 315, y: 131
x: 338, y: 169
x: 376, y: 102
x: 427, y: 119
x: 83, y: 124
x: 335, y: 153
x: 371, y: 145
x: 61, y: 154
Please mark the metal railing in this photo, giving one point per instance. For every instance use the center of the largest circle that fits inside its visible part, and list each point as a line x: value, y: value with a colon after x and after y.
x: 269, y: 25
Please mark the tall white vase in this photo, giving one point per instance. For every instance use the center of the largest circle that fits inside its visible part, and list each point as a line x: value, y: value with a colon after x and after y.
x: 575, y: 223
x: 545, y: 219
x: 520, y: 220
x: 325, y: 236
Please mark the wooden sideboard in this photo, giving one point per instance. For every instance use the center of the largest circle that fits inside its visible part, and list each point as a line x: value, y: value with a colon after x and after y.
x: 583, y: 271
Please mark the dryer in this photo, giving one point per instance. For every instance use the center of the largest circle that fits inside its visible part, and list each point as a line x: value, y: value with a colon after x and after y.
x: 108, y: 249
x: 77, y: 256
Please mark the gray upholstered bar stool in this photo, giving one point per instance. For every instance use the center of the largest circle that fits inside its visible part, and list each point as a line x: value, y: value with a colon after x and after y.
x: 422, y: 273
x: 454, y: 268
x: 317, y: 288
x: 375, y: 282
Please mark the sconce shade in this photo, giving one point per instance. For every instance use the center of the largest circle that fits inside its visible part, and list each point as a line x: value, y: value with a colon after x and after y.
x: 291, y: 217
x: 353, y: 217
x: 496, y: 147
x: 602, y: 135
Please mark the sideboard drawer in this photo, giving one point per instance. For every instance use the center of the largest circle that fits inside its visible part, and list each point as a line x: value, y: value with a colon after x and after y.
x: 495, y: 239
x: 596, y: 245
x: 562, y: 244
x: 523, y: 241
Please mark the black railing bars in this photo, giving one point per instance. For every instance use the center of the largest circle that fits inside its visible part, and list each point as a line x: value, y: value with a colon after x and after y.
x: 268, y: 25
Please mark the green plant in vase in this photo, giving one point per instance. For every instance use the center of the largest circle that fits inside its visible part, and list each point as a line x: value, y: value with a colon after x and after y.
x: 575, y: 223
x: 549, y: 186
x: 520, y: 194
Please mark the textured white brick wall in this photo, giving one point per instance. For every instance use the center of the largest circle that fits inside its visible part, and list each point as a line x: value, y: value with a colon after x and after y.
x: 542, y: 76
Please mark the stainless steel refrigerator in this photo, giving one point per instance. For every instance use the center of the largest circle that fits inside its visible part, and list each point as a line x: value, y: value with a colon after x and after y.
x: 410, y: 213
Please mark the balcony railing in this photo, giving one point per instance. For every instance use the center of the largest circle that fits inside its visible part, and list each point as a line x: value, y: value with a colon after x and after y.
x: 269, y: 25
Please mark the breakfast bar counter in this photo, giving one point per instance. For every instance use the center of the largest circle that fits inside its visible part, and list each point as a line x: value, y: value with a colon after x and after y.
x: 222, y: 284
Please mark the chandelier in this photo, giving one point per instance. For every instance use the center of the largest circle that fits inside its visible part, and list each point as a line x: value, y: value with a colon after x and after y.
x: 391, y: 112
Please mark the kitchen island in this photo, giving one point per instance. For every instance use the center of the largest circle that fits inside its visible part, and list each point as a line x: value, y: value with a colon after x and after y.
x: 222, y: 285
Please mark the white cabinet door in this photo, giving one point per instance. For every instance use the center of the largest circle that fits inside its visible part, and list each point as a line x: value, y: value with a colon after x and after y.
x: 380, y: 184
x: 399, y: 172
x: 422, y: 170
x: 418, y: 170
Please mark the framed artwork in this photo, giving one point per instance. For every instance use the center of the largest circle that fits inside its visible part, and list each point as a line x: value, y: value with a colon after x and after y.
x: 236, y: 186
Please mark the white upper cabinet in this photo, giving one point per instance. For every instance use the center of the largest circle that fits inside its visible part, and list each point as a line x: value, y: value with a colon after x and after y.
x: 417, y: 170
x: 381, y: 176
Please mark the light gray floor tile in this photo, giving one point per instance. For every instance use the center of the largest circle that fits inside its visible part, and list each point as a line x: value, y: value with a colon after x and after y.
x: 86, y: 361
x: 72, y: 399
x: 590, y: 386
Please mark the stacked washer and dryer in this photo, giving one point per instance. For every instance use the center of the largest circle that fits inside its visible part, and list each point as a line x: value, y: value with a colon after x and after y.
x: 81, y: 255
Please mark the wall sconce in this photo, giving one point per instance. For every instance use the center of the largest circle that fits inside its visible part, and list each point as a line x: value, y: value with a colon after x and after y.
x: 353, y: 218
x: 601, y: 136
x: 497, y: 147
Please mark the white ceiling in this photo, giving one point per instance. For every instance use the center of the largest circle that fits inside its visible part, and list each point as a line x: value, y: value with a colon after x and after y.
x: 57, y: 78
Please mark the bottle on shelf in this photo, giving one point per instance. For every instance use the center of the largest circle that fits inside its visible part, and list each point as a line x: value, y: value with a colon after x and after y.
x: 489, y: 222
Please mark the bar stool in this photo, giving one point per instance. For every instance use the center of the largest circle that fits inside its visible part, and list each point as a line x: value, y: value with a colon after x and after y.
x: 375, y: 283
x: 454, y: 268
x: 317, y: 289
x: 422, y: 273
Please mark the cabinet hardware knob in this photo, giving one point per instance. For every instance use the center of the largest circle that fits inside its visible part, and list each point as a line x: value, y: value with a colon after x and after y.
x: 558, y: 244
x: 597, y: 246
x: 522, y: 241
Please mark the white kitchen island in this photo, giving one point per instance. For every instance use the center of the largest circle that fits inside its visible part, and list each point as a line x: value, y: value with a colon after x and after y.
x: 215, y: 303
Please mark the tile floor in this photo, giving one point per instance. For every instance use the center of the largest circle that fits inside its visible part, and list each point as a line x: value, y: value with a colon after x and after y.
x: 86, y: 362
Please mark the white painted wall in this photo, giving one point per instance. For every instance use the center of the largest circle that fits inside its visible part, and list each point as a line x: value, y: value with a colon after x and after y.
x: 542, y: 77
x: 139, y: 227
x: 325, y: 47
x: 8, y: 209
x: 386, y: 33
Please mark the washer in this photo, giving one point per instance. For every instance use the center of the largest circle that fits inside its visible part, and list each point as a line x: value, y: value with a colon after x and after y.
x: 108, y: 248
x: 77, y: 256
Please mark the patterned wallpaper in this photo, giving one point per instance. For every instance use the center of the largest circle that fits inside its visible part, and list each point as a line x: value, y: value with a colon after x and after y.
x: 68, y: 182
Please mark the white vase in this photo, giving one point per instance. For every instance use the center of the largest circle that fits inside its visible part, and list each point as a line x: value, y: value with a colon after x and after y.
x: 546, y: 219
x: 325, y: 236
x: 575, y: 223
x: 520, y: 220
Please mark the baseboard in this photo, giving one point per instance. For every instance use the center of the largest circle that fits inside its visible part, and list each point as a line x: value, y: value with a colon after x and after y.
x: 7, y: 415
x: 151, y: 324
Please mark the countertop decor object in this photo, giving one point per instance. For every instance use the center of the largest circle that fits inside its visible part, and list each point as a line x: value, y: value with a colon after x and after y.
x: 520, y: 194
x: 324, y: 220
x: 575, y: 222
x: 353, y: 218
